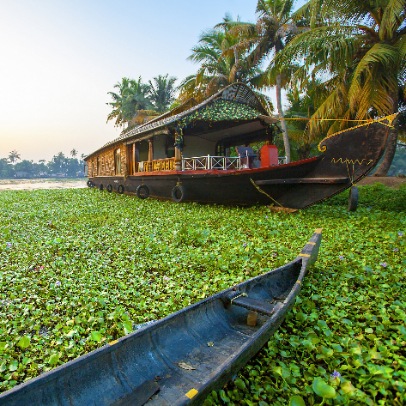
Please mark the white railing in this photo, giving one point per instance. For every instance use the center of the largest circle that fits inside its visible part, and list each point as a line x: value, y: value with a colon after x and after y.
x: 218, y: 162
x: 211, y: 162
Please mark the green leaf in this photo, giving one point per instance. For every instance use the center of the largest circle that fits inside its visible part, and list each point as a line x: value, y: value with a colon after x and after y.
x: 240, y: 384
x: 53, y: 359
x: 96, y: 336
x: 128, y: 327
x: 347, y: 387
x: 13, y: 366
x: 296, y: 400
x: 24, y: 342
x: 277, y: 370
x: 321, y: 388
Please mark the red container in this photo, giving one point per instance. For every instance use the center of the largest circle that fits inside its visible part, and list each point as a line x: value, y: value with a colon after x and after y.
x: 269, y: 155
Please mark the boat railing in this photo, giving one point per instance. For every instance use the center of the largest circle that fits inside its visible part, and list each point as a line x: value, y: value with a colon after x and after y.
x: 196, y: 163
x: 211, y: 162
x: 165, y: 164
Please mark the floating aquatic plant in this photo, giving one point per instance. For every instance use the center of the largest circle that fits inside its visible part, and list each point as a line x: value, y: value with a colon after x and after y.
x: 110, y: 263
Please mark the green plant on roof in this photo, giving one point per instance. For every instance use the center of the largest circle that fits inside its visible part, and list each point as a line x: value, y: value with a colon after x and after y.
x: 220, y: 110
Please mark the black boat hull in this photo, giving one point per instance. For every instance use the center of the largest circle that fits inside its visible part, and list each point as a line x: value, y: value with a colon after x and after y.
x: 346, y: 158
x: 181, y: 358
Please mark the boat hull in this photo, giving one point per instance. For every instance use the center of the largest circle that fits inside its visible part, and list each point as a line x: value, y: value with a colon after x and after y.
x: 345, y: 159
x: 181, y: 358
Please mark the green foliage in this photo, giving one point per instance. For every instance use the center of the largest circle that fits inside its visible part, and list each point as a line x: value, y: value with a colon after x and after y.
x: 59, y: 165
x: 220, y: 110
x: 80, y: 268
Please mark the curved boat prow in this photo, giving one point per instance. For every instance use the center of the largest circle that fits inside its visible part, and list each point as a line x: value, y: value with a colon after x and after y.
x: 311, y: 250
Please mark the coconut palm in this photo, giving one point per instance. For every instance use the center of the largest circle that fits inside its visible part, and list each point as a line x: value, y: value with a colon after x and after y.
x: 73, y: 153
x: 273, y: 29
x: 358, y: 51
x: 219, y: 66
x: 132, y: 96
x: 14, y: 156
x: 162, y: 92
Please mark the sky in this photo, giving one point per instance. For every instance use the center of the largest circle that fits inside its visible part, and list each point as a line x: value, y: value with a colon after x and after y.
x: 60, y: 58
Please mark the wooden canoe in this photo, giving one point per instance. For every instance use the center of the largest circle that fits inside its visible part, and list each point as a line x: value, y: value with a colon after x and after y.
x: 179, y: 359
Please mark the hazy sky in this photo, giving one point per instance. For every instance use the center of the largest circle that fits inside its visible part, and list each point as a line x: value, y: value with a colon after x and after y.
x: 59, y: 58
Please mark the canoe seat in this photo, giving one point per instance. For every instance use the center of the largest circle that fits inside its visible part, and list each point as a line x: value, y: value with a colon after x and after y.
x: 254, y: 305
x: 242, y: 300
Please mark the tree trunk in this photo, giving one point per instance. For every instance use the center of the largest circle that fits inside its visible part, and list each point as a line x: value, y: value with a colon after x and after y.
x: 281, y: 117
x: 388, y: 154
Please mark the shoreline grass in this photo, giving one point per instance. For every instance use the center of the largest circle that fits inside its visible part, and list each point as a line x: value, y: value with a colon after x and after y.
x: 80, y: 268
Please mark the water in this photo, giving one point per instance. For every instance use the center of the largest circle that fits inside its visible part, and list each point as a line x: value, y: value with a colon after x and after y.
x: 33, y: 184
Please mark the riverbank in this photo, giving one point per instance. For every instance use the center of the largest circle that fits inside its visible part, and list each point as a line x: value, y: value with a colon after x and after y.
x: 47, y: 183
x: 390, y: 181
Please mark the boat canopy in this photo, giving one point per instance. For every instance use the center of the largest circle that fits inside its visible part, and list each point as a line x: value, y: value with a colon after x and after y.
x: 234, y: 115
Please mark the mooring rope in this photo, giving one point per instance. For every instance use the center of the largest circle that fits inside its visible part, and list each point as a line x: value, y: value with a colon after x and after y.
x: 364, y: 122
x: 263, y: 192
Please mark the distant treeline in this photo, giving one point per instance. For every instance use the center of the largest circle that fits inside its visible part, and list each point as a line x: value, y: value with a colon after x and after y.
x: 60, y: 166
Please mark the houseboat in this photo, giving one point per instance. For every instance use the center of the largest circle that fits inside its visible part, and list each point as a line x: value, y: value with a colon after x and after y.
x: 205, y: 154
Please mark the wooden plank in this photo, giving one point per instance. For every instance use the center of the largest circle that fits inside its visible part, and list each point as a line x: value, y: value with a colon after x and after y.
x: 301, y: 180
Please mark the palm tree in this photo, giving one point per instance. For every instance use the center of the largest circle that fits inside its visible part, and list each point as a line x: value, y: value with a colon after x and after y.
x: 73, y: 153
x: 221, y: 58
x: 131, y: 97
x: 14, y: 156
x: 358, y: 51
x: 162, y: 92
x: 274, y: 28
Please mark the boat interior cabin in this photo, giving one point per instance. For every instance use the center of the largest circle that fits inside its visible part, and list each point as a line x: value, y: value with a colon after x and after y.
x: 169, y: 152
x: 159, y: 154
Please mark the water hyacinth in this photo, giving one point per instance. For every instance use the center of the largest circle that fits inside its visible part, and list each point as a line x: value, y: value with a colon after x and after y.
x: 346, y: 319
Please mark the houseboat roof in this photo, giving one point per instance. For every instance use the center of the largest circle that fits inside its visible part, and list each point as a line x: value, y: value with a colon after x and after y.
x: 233, y: 111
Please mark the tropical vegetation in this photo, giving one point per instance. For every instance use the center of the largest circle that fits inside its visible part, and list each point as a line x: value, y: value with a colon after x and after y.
x: 135, y: 102
x: 348, y: 57
x: 59, y: 166
x: 221, y: 58
x: 357, y: 53
x: 76, y: 276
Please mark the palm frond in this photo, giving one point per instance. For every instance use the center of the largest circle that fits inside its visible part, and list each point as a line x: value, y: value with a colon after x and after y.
x: 392, y: 18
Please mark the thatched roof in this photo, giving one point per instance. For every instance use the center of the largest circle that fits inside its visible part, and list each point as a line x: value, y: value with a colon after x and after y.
x: 235, y: 105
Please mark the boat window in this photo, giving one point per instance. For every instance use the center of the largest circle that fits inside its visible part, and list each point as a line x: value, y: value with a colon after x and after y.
x: 143, y: 150
x: 117, y: 161
x: 170, y: 146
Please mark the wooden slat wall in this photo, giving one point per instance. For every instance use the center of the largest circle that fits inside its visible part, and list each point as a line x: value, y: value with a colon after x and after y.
x: 106, y: 162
